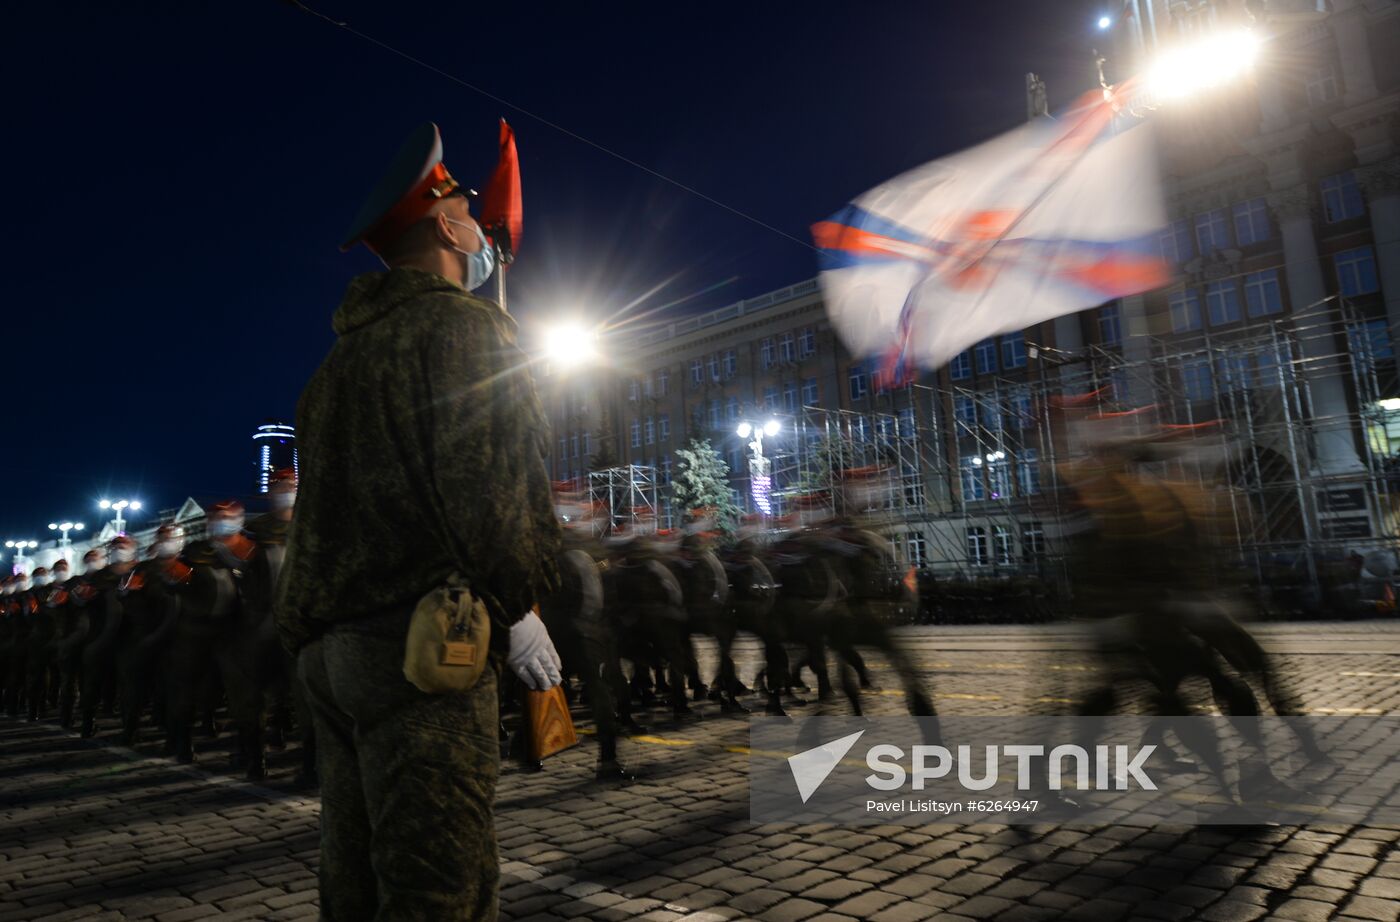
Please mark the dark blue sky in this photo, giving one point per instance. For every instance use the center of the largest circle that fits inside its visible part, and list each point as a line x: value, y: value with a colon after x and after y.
x: 180, y: 174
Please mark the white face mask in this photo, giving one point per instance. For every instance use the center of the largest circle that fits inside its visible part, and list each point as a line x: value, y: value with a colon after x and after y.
x: 96, y: 565
x: 282, y: 500
x: 60, y: 576
x: 123, y: 555
x: 479, y: 265
x: 42, y: 580
x: 24, y: 585
x: 170, y: 547
x: 225, y: 528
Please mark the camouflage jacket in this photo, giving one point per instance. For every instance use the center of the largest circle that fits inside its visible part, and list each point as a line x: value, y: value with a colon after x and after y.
x: 421, y: 445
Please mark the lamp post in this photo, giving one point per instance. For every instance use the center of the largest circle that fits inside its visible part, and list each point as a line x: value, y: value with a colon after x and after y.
x: 760, y: 468
x: 64, y: 544
x: 117, y: 507
x: 20, y: 557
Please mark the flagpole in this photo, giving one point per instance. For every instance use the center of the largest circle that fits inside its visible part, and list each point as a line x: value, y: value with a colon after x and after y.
x: 499, y: 236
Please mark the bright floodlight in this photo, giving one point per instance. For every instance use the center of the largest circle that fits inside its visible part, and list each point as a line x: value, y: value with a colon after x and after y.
x: 1200, y: 66
x: 1104, y: 22
x: 78, y: 526
x: 53, y: 526
x: 569, y: 345
x: 771, y: 427
x: 136, y: 504
x: 1389, y: 404
x: 104, y: 504
x: 744, y: 430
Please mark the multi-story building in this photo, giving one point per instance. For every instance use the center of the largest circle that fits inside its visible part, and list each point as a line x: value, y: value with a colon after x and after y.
x: 1275, y: 343
x: 276, y: 445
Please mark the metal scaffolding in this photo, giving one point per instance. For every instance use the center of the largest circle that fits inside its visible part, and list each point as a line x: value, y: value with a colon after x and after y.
x: 625, y: 500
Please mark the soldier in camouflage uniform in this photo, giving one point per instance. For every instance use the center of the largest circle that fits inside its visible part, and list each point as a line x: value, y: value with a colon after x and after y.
x: 421, y: 445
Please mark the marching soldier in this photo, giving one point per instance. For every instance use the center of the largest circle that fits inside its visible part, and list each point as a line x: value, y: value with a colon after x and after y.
x: 422, y: 445
x: 21, y: 620
x: 143, y: 613
x: 42, y: 630
x: 75, y: 626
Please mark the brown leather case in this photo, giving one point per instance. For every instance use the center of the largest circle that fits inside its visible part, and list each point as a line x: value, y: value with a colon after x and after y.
x: 548, y: 723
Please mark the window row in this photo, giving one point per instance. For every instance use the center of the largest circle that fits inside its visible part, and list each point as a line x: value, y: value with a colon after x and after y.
x: 788, y: 347
x: 1224, y: 304
x: 650, y: 429
x: 981, y: 553
x: 990, y: 475
x: 992, y: 411
x: 984, y: 354
x: 569, y: 446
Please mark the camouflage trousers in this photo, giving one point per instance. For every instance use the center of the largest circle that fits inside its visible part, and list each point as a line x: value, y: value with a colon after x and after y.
x: 407, y: 783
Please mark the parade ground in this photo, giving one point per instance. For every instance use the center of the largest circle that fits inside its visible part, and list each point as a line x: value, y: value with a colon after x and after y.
x: 93, y: 831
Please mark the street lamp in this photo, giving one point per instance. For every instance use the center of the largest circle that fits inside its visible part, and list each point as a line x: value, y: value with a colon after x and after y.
x: 64, y: 543
x: 117, y: 507
x: 19, y: 548
x: 569, y: 345
x: 760, y: 468
x: 1104, y: 23
x: 1211, y: 62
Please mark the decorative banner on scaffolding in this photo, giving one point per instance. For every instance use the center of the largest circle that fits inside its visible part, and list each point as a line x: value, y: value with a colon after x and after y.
x: 1048, y: 219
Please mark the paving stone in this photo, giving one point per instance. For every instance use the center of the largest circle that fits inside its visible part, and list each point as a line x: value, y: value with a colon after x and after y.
x: 1305, y: 911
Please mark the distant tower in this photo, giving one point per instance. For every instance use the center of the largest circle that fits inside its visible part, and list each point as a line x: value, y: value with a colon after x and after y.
x: 276, y: 445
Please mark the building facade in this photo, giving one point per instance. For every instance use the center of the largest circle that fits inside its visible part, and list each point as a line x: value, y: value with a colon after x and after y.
x: 1273, y: 349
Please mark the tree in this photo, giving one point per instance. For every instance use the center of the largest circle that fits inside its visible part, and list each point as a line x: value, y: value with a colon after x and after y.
x: 702, y: 481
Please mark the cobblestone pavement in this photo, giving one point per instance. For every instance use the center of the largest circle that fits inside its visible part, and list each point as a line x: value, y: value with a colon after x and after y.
x: 92, y: 831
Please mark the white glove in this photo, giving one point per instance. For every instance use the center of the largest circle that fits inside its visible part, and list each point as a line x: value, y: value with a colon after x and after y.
x: 532, y: 655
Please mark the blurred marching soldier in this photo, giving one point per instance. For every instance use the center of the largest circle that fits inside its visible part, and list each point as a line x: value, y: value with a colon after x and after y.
x: 59, y: 602
x: 256, y: 652
x: 75, y: 625
x: 143, y: 610
x: 39, y: 652
x: 102, y: 649
x: 422, y: 444
x: 9, y: 627
x: 22, y: 619
x: 205, y: 579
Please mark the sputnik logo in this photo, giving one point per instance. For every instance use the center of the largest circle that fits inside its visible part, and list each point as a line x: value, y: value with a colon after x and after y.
x: 811, y: 768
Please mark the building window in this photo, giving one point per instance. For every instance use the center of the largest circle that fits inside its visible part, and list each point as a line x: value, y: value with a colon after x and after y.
x: 648, y: 386
x: 1176, y: 242
x: 666, y: 469
x: 965, y: 409
x: 1356, y: 271
x: 1033, y: 541
x: 1212, y: 231
x: 588, y: 444
x: 736, y: 461
x: 731, y: 410
x: 770, y: 397
x: 1222, y: 302
x: 714, y: 366
x: 664, y: 425
x: 651, y: 431
x: 787, y: 348
x: 1321, y: 83
x: 811, y: 393
x: 1001, y: 541
x: 634, y: 388
x: 1233, y: 372
x: 960, y: 368
x: 714, y: 414
x: 1196, y: 380
x: 918, y: 551
x: 807, y: 343
x: 973, y: 487
x: 986, y: 353
x: 999, y: 474
x: 1185, y: 309
x: 860, y: 382
x: 1251, y: 221
x: 636, y: 434
x: 573, y: 445
x: 977, y: 546
x: 1370, y: 342
x: 731, y: 363
x: 1110, y: 326
x: 1261, y: 293
x: 1013, y: 350
x: 790, y: 398
x: 1341, y: 198
x: 906, y: 423
x: 765, y: 351
x: 860, y: 429
x: 1019, y: 411
x: 1028, y: 471
x: 663, y: 382
x: 563, y: 448
x: 697, y: 373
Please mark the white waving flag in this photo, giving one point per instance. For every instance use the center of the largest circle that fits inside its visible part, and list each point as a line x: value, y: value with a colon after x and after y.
x: 1045, y: 220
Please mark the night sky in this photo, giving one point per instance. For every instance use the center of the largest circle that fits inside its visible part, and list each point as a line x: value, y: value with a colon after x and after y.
x: 180, y: 174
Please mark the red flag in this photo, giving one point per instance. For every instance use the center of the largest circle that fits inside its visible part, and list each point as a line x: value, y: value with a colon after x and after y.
x: 500, y: 206
x: 911, y: 581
